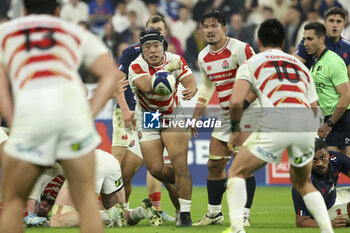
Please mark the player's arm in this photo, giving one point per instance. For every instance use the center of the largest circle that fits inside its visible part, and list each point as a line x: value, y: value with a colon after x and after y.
x: 344, y: 101
x: 205, y: 93
x: 190, y: 85
x: 6, y: 99
x: 128, y: 115
x: 348, y: 71
x: 143, y: 83
x: 307, y: 221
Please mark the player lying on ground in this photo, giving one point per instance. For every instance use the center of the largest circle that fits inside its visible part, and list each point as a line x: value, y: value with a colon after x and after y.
x: 109, y: 184
x: 326, y: 167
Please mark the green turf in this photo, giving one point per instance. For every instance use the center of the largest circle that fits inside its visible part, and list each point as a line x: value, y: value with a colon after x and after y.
x: 272, y: 212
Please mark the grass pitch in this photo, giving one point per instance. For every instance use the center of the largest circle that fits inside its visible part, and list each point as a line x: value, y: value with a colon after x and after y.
x: 272, y: 212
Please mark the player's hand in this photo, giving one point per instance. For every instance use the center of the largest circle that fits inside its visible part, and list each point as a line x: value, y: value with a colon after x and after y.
x: 324, y: 130
x: 129, y: 120
x: 173, y: 65
x: 233, y: 141
x: 188, y: 93
x: 339, y: 221
x: 121, y: 87
x: 193, y: 129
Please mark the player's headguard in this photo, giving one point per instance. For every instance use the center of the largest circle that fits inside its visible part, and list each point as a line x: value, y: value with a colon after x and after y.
x: 153, y: 34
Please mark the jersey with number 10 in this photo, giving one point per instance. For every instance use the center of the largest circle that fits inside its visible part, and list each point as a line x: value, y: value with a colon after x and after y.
x: 284, y: 87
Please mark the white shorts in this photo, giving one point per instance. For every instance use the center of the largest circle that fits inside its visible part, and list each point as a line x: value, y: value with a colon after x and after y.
x: 135, y: 148
x: 153, y: 134
x: 269, y: 146
x: 121, y: 135
x: 249, y: 123
x: 48, y: 127
x: 108, y: 177
x: 43, y: 180
x: 3, y: 135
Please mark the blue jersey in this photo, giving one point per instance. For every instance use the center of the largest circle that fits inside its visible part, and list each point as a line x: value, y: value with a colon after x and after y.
x: 325, y: 183
x: 128, y: 56
x: 342, y: 48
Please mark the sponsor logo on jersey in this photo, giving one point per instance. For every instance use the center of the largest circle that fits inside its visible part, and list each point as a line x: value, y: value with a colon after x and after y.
x: 132, y: 143
x: 119, y: 182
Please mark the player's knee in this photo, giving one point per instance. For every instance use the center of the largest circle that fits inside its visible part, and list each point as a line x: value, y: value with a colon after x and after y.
x: 155, y: 171
x: 216, y: 166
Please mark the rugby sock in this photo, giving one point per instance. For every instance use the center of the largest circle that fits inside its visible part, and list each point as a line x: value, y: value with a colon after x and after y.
x: 105, y: 215
x: 127, y: 205
x: 213, y: 210
x: 317, y: 207
x: 137, y: 214
x: 236, y: 198
x: 246, y: 213
x: 185, y: 205
x: 215, y: 189
x: 251, y: 184
x: 155, y: 198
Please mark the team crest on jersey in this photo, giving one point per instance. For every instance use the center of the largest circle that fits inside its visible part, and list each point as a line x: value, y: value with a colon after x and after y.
x: 132, y: 143
x: 139, y: 134
x: 209, y: 68
x: 345, y: 55
x: 225, y: 64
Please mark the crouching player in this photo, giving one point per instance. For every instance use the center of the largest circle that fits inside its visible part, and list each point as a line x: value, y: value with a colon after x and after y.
x: 324, y: 176
x: 109, y: 184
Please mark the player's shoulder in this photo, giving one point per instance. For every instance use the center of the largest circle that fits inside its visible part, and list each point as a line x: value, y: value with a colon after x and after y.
x: 232, y: 42
x: 345, y: 43
x: 134, y: 48
x: 336, y: 157
x: 204, y: 52
x: 171, y: 56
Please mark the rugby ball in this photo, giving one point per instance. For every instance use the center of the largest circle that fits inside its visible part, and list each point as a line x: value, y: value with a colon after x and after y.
x: 163, y: 82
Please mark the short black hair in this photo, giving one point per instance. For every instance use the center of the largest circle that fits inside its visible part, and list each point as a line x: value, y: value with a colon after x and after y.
x: 335, y: 11
x: 41, y: 6
x: 271, y: 33
x: 320, y: 144
x: 218, y: 15
x: 320, y: 29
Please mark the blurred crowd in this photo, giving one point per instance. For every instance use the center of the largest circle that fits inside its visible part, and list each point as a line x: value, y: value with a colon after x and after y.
x: 119, y: 22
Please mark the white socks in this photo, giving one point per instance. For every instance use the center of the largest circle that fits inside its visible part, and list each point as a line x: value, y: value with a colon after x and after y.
x: 213, y: 210
x: 315, y: 204
x: 137, y: 214
x: 185, y: 205
x: 236, y: 199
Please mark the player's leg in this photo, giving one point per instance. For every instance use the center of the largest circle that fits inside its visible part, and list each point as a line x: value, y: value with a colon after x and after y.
x: 130, y: 165
x: 176, y: 143
x: 152, y: 152
x: 244, y: 164
x: 154, y: 188
x: 250, y: 181
x: 64, y: 213
x: 81, y: 175
x: 218, y: 157
x: 18, y: 178
x: 300, y: 177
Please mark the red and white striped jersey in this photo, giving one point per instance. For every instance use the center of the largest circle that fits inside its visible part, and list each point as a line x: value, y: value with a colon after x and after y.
x: 153, y: 101
x: 40, y: 49
x: 279, y: 79
x: 285, y: 90
x: 221, y: 66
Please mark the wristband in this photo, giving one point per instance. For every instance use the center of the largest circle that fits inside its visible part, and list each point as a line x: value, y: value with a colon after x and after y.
x: 245, y: 104
x: 235, y: 126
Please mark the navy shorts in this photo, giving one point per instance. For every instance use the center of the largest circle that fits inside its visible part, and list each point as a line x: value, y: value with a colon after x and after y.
x: 340, y: 134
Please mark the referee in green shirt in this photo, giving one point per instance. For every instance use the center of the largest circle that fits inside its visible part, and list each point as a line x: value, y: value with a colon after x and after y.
x: 329, y: 73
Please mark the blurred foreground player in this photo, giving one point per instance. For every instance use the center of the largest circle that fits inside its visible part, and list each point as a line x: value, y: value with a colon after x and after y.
x: 49, y: 116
